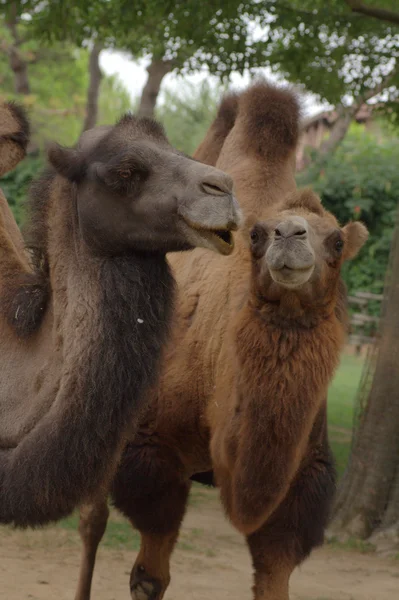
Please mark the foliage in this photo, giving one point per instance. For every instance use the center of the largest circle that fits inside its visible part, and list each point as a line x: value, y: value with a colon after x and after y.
x: 187, y: 116
x: 341, y: 401
x: 16, y: 183
x: 58, y: 80
x: 361, y: 181
x: 191, y: 33
x: 331, y: 51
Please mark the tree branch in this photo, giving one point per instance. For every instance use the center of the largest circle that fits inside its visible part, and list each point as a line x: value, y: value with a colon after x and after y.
x: 345, y: 116
x: 380, y: 87
x: 373, y: 11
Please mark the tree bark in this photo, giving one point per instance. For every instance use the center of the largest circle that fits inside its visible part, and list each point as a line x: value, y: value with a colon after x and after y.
x: 18, y: 65
x: 95, y: 77
x: 368, y: 497
x: 156, y: 72
x: 338, y: 131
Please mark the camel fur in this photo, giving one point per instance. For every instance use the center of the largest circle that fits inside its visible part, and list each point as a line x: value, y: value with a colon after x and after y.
x: 85, y: 313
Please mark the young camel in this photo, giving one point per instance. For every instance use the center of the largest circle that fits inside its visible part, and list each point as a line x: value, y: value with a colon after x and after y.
x: 83, y: 320
x: 238, y: 376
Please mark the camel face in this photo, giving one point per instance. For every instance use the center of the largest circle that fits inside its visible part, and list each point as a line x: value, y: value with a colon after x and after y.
x: 134, y: 191
x: 303, y: 251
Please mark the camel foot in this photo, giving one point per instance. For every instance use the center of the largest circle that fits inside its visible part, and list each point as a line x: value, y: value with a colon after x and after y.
x: 144, y: 587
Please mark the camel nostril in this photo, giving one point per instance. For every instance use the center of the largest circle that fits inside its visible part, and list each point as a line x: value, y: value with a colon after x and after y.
x: 277, y: 232
x: 301, y: 232
x: 214, y: 190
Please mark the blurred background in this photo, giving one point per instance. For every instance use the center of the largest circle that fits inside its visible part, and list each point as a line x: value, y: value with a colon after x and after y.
x: 79, y: 63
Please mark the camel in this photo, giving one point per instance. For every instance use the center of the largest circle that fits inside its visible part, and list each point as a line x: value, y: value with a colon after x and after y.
x: 242, y: 392
x: 86, y: 311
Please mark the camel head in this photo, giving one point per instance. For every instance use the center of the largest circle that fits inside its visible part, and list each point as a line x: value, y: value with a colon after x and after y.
x: 301, y: 249
x: 14, y: 136
x: 135, y: 192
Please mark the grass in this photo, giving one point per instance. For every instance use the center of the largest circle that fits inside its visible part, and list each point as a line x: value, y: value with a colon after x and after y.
x: 351, y: 543
x: 341, y: 399
x: 119, y: 533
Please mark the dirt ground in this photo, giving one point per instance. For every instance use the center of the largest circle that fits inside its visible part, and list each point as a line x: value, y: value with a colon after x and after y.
x: 211, y: 561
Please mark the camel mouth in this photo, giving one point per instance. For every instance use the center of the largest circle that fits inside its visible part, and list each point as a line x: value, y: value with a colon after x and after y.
x: 291, y: 278
x: 219, y: 239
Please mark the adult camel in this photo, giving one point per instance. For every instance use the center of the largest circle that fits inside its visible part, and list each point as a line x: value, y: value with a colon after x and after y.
x: 85, y: 313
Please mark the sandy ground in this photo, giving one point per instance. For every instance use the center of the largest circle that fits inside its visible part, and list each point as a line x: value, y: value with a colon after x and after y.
x: 211, y: 561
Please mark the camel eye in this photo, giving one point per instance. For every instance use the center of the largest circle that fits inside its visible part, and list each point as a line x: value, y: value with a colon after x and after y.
x: 338, y: 246
x: 125, y: 173
x: 254, y: 236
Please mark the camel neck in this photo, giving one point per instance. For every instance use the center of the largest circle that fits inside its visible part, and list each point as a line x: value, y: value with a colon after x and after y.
x: 111, y: 321
x: 286, y: 356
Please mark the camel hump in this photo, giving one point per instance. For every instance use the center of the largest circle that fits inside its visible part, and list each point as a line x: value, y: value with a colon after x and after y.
x: 14, y: 135
x: 227, y: 114
x: 269, y: 117
x: 209, y: 149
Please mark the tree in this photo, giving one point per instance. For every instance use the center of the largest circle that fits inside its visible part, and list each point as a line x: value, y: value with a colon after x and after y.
x: 93, y: 89
x: 179, y: 35
x: 367, y: 504
x: 342, y: 56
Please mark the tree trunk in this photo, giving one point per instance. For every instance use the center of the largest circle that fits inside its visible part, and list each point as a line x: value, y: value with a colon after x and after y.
x: 368, y: 498
x: 18, y: 65
x: 156, y: 72
x: 95, y: 76
x: 338, y: 131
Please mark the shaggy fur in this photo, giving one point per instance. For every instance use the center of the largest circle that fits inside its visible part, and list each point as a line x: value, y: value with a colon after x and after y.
x: 24, y: 302
x: 85, y: 314
x: 76, y: 457
x: 242, y: 393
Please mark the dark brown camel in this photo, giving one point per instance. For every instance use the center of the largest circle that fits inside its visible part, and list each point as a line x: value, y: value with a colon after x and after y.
x: 85, y: 314
x: 243, y: 388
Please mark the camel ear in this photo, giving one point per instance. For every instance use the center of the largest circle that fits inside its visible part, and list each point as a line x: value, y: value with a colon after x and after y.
x: 68, y: 162
x: 355, y: 235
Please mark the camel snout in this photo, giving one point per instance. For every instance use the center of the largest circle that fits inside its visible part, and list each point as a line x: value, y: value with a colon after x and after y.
x: 294, y: 227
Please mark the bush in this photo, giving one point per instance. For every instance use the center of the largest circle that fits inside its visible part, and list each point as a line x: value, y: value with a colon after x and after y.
x: 361, y: 181
x: 187, y: 115
x: 16, y: 183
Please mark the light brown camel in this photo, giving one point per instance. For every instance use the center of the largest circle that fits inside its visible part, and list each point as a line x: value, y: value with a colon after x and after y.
x: 246, y: 373
x: 83, y: 322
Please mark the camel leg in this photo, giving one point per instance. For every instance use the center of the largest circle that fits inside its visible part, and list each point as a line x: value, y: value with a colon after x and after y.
x: 294, y: 530
x: 92, y: 525
x: 150, y: 575
x: 272, y: 567
x: 151, y: 489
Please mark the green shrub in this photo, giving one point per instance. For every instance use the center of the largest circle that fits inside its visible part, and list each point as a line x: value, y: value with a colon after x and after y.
x: 16, y: 183
x: 361, y: 181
